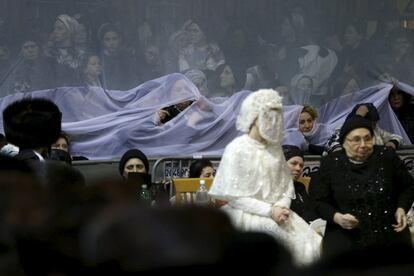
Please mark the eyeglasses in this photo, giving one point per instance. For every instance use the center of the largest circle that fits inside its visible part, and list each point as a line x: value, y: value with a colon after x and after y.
x: 356, y: 140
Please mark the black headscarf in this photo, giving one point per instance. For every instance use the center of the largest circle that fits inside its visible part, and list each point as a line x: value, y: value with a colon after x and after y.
x: 291, y: 151
x: 133, y: 153
x: 372, y: 114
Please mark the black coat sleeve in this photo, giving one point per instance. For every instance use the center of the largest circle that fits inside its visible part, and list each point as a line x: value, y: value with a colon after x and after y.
x: 320, y: 191
x: 403, y: 181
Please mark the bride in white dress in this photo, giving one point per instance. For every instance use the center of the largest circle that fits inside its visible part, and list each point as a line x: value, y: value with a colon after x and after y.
x: 254, y: 179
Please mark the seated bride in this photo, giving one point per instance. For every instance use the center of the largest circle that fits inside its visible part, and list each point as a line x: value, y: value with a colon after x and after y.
x: 254, y: 179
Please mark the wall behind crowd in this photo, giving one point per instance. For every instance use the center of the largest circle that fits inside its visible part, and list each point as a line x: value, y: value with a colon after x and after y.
x: 311, y: 51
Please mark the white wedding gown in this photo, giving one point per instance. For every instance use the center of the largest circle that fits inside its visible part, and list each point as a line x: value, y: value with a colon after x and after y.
x: 252, y: 178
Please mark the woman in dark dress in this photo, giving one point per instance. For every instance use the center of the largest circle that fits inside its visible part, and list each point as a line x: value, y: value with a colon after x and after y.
x: 400, y: 104
x: 363, y: 191
x: 301, y: 204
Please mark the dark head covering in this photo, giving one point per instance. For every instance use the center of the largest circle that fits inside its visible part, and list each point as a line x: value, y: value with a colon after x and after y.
x: 197, y: 167
x: 291, y: 151
x: 372, y: 114
x: 32, y: 123
x: 133, y: 153
x: 352, y: 123
x: 107, y: 27
x: 60, y: 155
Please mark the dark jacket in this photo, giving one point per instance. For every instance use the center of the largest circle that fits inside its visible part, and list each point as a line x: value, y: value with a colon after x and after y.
x: 371, y: 191
x: 302, y: 205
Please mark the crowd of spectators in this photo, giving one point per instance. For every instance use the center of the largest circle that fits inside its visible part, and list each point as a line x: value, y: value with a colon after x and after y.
x: 52, y: 223
x: 293, y: 54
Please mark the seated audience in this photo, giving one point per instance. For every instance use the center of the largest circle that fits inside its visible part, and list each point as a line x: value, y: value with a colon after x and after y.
x: 61, y: 155
x: 381, y: 136
x: 91, y: 71
x: 117, y: 61
x: 200, y: 53
x: 227, y: 80
x: 201, y: 168
x: 63, y: 144
x: 301, y: 204
x: 133, y: 160
x: 364, y: 191
x: 199, y: 79
x: 400, y: 104
x: 168, y: 113
x: 310, y: 136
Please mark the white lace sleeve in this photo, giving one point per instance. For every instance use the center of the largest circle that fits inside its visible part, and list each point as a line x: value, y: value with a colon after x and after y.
x: 253, y: 206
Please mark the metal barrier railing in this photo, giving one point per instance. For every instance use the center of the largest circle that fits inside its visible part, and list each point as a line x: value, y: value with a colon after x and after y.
x: 167, y: 168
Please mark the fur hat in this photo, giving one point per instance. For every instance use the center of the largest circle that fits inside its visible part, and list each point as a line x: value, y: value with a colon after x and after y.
x: 133, y: 153
x: 352, y: 123
x: 32, y: 123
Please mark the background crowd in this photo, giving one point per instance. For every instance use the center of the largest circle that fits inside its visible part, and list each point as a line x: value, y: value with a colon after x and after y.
x: 53, y: 223
x: 312, y: 52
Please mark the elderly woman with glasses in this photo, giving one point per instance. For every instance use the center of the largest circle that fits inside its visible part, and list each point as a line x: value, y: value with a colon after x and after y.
x: 364, y: 191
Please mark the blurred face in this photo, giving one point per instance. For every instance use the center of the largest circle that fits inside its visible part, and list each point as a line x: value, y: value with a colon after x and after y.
x: 61, y: 144
x: 396, y: 100
x: 111, y: 42
x: 287, y: 28
x: 195, y: 34
x: 305, y: 85
x: 201, y: 84
x: 351, y: 36
x: 82, y: 36
x: 180, y: 90
x: 305, y: 122
x: 227, y: 77
x: 295, y: 165
x: 60, y: 32
x: 134, y: 165
x: 207, y: 172
x: 151, y: 55
x: 30, y: 50
x: 358, y: 144
x: 93, y: 68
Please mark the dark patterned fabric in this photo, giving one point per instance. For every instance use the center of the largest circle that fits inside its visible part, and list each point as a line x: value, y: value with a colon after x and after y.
x: 371, y: 191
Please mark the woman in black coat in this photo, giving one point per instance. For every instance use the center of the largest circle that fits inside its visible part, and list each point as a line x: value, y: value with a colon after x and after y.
x: 363, y: 191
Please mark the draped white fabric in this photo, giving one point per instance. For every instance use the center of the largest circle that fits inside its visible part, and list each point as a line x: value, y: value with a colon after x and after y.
x: 104, y: 124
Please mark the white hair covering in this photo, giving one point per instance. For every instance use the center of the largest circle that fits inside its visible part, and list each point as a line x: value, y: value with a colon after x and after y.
x: 249, y: 167
x: 70, y: 23
x: 258, y: 101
